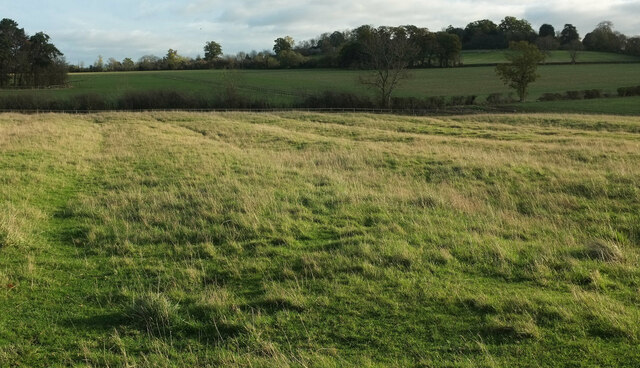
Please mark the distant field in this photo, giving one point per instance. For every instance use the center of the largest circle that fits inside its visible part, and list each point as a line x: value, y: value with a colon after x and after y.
x: 497, y: 56
x: 287, y: 86
x: 618, y: 106
x: 319, y: 240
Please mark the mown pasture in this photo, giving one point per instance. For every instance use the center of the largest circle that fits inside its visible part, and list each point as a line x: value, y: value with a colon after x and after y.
x: 304, y: 239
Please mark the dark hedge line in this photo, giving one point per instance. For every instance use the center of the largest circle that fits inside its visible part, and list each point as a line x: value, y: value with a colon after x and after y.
x: 629, y: 91
x: 166, y: 99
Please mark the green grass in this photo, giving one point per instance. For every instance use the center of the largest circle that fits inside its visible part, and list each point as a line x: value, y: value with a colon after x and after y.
x: 297, y: 239
x: 287, y: 86
x: 615, y: 106
x: 472, y: 57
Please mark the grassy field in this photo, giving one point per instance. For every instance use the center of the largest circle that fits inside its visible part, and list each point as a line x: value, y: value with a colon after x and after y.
x: 296, y: 239
x: 288, y: 86
x: 614, y: 106
x: 472, y: 57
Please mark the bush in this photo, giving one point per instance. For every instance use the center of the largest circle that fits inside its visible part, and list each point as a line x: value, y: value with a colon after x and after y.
x: 500, y: 98
x: 575, y: 95
x: 22, y: 102
x: 435, y: 103
x: 470, y: 100
x: 592, y: 93
x: 551, y: 97
x: 148, y: 100
x: 85, y: 102
x: 329, y: 99
x: 629, y: 91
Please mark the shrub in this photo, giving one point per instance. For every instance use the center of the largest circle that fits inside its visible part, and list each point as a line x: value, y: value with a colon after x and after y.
x: 575, y: 95
x: 551, y: 97
x: 500, y: 98
x: 435, y: 103
x: 629, y: 91
x: 470, y: 100
x: 329, y: 99
x: 23, y: 102
x: 457, y: 100
x: 147, y: 100
x: 87, y: 102
x: 592, y: 93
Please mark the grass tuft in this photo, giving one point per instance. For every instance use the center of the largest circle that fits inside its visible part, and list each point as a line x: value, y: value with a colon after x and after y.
x: 605, y: 251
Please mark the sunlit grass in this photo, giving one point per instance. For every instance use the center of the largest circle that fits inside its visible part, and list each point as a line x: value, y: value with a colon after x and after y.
x: 301, y: 239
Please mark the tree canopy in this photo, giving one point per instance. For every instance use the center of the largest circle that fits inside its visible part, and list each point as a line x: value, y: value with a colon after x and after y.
x: 28, y: 60
x: 522, y: 68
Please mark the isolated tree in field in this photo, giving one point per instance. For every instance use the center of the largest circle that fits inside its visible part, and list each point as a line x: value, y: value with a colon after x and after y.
x: 574, y: 47
x: 522, y: 68
x: 212, y: 51
x: 388, y: 56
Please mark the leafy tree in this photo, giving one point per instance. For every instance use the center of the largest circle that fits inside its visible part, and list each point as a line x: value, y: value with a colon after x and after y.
x: 483, y: 34
x: 547, y: 30
x: 604, y: 38
x: 516, y: 29
x: 290, y: 58
x: 148, y: 62
x: 633, y: 46
x: 352, y: 54
x: 212, y: 51
x: 98, y: 65
x: 449, y: 47
x: 128, y: 64
x: 283, y: 44
x: 337, y: 39
x: 388, y: 56
x: 426, y: 44
x: 547, y: 43
x: 522, y: 67
x: 13, y: 47
x: 42, y: 56
x: 113, y: 65
x: 568, y: 34
x: 173, y: 60
x: 456, y: 31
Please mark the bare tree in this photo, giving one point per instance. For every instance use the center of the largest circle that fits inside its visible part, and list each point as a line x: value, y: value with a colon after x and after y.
x: 574, y: 47
x: 388, y: 56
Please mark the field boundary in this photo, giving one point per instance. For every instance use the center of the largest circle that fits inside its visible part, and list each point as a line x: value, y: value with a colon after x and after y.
x: 417, y: 112
x: 555, y: 63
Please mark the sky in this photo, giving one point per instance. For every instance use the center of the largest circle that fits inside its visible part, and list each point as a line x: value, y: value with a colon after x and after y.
x: 82, y: 30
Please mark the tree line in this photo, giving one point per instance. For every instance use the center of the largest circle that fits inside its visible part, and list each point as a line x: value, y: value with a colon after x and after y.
x: 346, y: 49
x: 28, y: 61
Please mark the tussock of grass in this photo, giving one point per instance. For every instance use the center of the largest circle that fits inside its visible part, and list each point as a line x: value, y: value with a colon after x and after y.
x: 606, y: 251
x: 155, y: 312
x: 303, y: 239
